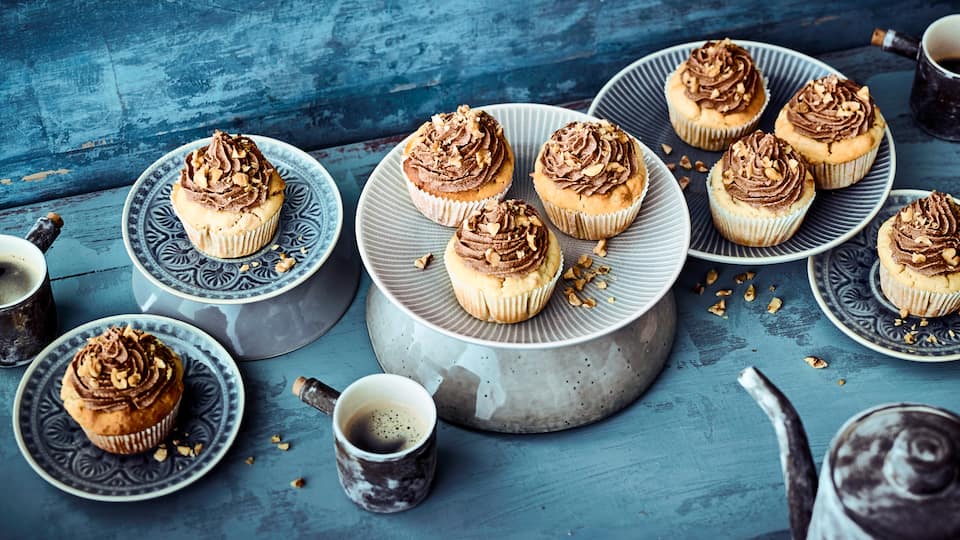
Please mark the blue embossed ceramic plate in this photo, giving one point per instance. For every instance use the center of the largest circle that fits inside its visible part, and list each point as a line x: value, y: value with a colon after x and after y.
x: 846, y: 283
x: 645, y: 259
x: 310, y: 223
x: 634, y: 99
x: 55, y: 446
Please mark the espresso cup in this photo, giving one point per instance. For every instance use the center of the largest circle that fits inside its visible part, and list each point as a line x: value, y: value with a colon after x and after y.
x: 935, y: 96
x: 385, y: 438
x: 28, y: 315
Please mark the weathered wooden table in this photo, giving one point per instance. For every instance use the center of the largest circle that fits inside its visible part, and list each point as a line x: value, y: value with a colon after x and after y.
x: 694, y: 457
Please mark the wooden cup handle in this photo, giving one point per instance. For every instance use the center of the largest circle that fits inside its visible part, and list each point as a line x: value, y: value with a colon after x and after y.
x: 316, y: 394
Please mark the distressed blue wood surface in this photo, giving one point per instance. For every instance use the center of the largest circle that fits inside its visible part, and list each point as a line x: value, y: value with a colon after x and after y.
x: 694, y: 458
x: 92, y: 92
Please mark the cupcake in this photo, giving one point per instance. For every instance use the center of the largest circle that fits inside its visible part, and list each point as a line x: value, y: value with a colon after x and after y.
x: 456, y: 163
x: 837, y: 127
x: 503, y: 262
x: 716, y: 96
x: 123, y: 388
x: 919, y: 262
x: 228, y: 197
x: 759, y: 191
x: 591, y: 179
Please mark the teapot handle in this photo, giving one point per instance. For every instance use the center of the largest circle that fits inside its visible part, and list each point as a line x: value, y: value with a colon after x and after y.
x: 896, y: 42
x: 45, y: 231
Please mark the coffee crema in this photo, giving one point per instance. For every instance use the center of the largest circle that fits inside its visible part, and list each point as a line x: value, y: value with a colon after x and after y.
x: 385, y: 427
x: 17, y: 279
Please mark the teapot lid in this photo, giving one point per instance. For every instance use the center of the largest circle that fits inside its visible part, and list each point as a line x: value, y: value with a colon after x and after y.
x: 895, y: 469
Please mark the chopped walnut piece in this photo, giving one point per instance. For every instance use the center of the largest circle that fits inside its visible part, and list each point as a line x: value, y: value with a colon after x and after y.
x: 684, y: 181
x: 274, y: 247
x: 611, y: 299
x: 772, y: 288
x: 701, y: 167
x: 578, y: 284
x: 284, y: 446
x: 774, y: 305
x: 184, y: 450
x: 603, y: 269
x: 589, y: 303
x: 671, y: 166
x: 924, y: 321
x: 572, y: 273
x: 244, y: 267
x: 585, y: 261
x: 685, y: 162
x: 815, y: 362
x: 932, y: 339
x: 724, y: 292
x: 951, y: 333
x: 719, y: 308
x: 197, y: 448
x: 255, y: 264
x: 711, y: 276
x: 284, y: 264
x: 574, y: 299
x: 249, y: 460
x: 750, y: 275
x: 910, y: 338
x: 161, y: 454
x: 423, y: 262
x: 601, y: 248
x: 842, y: 382
x: 698, y: 288
x: 275, y: 439
x: 904, y: 313
x: 601, y: 284
x: 750, y: 294
x: 667, y: 149
x: 298, y: 483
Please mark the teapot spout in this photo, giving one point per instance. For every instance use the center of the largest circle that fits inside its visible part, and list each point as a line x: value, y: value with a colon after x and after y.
x: 799, y: 471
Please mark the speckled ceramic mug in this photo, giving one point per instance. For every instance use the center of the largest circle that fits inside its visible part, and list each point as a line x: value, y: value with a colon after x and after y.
x: 396, y: 478
x: 28, y: 315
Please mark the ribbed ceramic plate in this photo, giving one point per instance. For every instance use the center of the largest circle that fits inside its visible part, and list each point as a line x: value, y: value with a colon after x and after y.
x: 56, y: 448
x: 634, y: 99
x: 310, y: 223
x: 645, y: 259
x: 846, y: 283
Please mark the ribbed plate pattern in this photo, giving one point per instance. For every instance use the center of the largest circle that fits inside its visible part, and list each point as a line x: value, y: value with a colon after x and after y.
x: 645, y: 259
x: 845, y: 281
x: 634, y: 99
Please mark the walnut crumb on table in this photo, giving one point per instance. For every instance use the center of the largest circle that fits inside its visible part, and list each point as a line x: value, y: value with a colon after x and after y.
x: 774, y: 305
x: 249, y: 460
x: 816, y: 362
x: 711, y: 276
x: 284, y: 446
x: 298, y: 483
x: 685, y: 162
x: 719, y: 308
x: 684, y: 181
x: 275, y: 439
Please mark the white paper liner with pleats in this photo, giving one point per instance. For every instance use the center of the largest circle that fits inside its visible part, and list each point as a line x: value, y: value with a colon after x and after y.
x: 447, y: 212
x: 918, y: 302
x: 141, y: 441
x: 711, y: 138
x: 231, y: 246
x: 755, y: 231
x: 504, y: 309
x: 846, y: 174
x: 594, y: 226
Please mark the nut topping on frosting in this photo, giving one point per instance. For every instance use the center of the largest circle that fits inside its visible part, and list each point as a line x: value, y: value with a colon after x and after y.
x: 229, y: 174
x: 830, y: 109
x: 926, y: 237
x: 590, y: 157
x: 721, y: 75
x: 456, y: 152
x: 506, y: 239
x: 763, y: 171
x: 121, y: 369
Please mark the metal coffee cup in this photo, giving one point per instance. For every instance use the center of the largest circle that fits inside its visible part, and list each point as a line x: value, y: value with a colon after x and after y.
x: 396, y: 478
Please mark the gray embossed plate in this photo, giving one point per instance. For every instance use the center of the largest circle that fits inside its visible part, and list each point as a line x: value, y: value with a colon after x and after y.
x: 310, y: 223
x: 846, y: 283
x: 634, y: 99
x: 55, y: 446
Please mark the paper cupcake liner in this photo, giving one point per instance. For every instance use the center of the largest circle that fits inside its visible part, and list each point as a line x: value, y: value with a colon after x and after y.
x: 712, y: 138
x: 504, y: 309
x: 917, y: 301
x: 841, y: 175
x: 141, y: 441
x: 754, y: 231
x: 585, y: 226
x: 231, y: 245
x: 447, y: 212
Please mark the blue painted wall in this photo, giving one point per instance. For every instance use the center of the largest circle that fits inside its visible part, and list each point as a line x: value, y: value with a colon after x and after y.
x: 93, y: 92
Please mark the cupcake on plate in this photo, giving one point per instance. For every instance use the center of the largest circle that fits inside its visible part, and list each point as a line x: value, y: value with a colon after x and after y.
x: 716, y: 96
x: 456, y: 163
x: 123, y: 388
x: 228, y: 197
x: 837, y: 127
x: 503, y: 262
x: 591, y: 179
x: 760, y: 191
x: 919, y: 250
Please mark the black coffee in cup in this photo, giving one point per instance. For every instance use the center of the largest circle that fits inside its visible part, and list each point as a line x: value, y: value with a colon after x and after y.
x: 385, y: 427
x: 950, y: 64
x: 17, y: 279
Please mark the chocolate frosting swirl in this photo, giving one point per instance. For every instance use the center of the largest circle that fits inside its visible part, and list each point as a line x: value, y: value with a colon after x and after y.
x: 830, y: 109
x: 721, y: 75
x: 590, y: 157
x: 926, y: 237
x: 229, y: 174
x: 503, y: 239
x: 456, y: 152
x: 764, y: 171
x: 121, y: 369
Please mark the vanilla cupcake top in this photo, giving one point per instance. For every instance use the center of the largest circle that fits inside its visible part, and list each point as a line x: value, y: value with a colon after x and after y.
x: 121, y: 369
x: 763, y: 171
x: 229, y: 174
x: 926, y: 237
x: 456, y: 152
x: 590, y: 157
x: 721, y: 75
x: 503, y: 239
x: 831, y: 109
